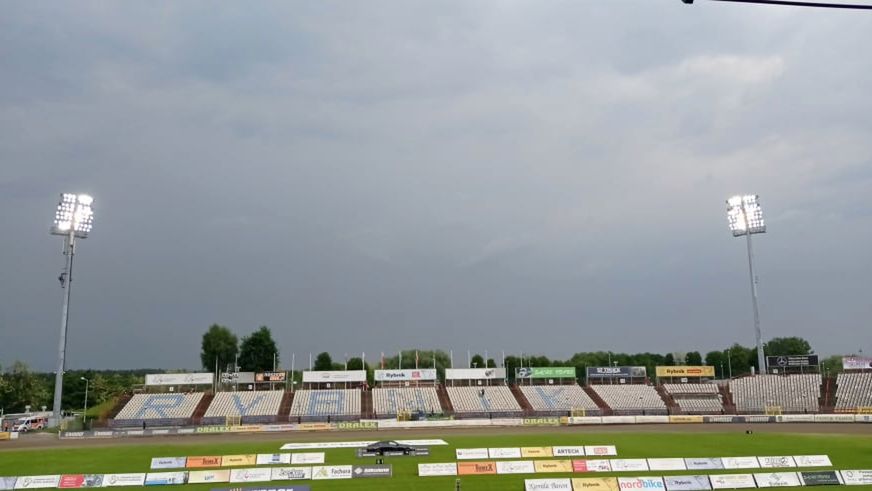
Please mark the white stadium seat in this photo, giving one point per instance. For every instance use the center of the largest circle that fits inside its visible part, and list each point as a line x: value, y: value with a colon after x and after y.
x: 321, y: 404
x: 854, y: 390
x: 558, y: 398
x: 696, y: 398
x: 798, y: 393
x: 246, y: 405
x: 159, y: 408
x: 391, y: 401
x: 496, y: 399
x: 631, y: 398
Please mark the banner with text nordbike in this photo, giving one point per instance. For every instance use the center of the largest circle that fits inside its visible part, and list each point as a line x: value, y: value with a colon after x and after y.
x: 685, y: 371
x: 474, y: 373
x: 405, y: 375
x: 334, y: 376
x: 544, y: 372
x: 179, y: 378
x: 616, y: 372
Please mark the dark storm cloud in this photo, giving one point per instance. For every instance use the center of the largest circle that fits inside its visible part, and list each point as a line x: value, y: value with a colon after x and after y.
x: 483, y: 175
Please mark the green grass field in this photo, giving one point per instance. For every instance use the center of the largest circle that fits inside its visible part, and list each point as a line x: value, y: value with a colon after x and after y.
x: 845, y: 451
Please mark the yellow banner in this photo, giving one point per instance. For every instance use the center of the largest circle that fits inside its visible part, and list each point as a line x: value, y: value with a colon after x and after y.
x: 535, y: 452
x: 237, y: 460
x: 685, y: 371
x: 5, y: 436
x: 595, y: 483
x: 553, y: 465
x: 686, y: 419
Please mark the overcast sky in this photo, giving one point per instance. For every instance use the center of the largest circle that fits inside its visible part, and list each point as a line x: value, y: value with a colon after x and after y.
x: 370, y: 176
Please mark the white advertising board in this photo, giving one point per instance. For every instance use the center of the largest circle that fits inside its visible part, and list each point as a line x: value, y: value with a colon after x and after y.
x: 687, y: 483
x: 592, y: 465
x: 855, y: 477
x: 471, y: 453
x: 475, y: 373
x: 117, y: 480
x: 405, y: 375
x: 856, y: 363
x: 168, y: 462
x: 307, y: 458
x: 703, y: 463
x: 666, y: 465
x: 322, y: 445
x: 629, y: 465
x: 812, y: 460
x: 777, y: 479
x: 165, y: 478
x: 334, y: 376
x: 179, y: 378
x: 251, y: 474
x: 740, y: 462
x: 37, y: 482
x: 776, y: 462
x: 732, y: 481
x: 290, y: 473
x: 273, y: 458
x: 208, y: 477
x: 442, y: 469
x: 549, y: 484
x: 600, y: 450
x: 516, y: 467
x: 641, y: 483
x: 331, y: 472
x: 504, y: 453
x: 568, y: 451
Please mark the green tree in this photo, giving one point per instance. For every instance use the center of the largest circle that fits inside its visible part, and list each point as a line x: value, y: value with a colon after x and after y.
x: 257, y: 351
x: 694, y: 358
x: 218, y: 344
x: 832, y: 365
x: 323, y: 362
x: 787, y: 346
x: 476, y: 361
x: 669, y: 359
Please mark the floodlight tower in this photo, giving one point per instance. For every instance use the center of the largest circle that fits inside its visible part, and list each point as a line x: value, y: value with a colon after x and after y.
x: 73, y: 219
x: 746, y: 218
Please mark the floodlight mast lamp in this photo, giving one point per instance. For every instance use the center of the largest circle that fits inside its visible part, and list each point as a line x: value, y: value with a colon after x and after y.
x: 73, y: 219
x: 746, y: 218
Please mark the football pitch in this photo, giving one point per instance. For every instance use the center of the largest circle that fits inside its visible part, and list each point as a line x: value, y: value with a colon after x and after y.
x: 846, y: 451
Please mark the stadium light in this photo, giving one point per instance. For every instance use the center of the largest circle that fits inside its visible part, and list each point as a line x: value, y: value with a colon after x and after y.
x: 745, y: 217
x: 74, y: 219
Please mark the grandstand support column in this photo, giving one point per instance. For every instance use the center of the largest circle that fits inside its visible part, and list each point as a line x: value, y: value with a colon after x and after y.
x: 67, y: 285
x: 761, y: 357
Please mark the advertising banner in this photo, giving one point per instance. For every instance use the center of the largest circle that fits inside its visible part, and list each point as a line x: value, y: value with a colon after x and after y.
x: 855, y: 478
x: 168, y: 462
x: 251, y: 474
x: 331, y: 472
x: 334, y: 376
x: 600, y: 450
x: 69, y: 481
x: 776, y: 462
x: 238, y: 460
x: 117, y: 480
x: 591, y: 465
x: 740, y: 462
x: 812, y: 461
x: 627, y: 465
x: 474, y: 373
x: 544, y: 466
x: 476, y: 468
x: 7, y: 483
x: 92, y: 481
x: 686, y: 419
x: 543, y: 421
x: 405, y: 375
x: 208, y: 477
x: 516, y: 467
x: 37, y: 482
x: 367, y: 471
x: 273, y: 458
x: 547, y: 484
x: 471, y: 453
x: 685, y: 371
x: 442, y: 469
x: 792, y: 361
x: 270, y: 377
x: 179, y: 378
x: 197, y: 462
x: 504, y: 453
x: 666, y: 465
x: 165, y: 478
x: 641, y: 483
x: 777, y: 479
x: 536, y: 452
x: 290, y: 473
x: 568, y: 451
x: 544, y: 372
x: 834, y: 418
x: 616, y: 372
x: 732, y: 481
x: 320, y: 445
x: 687, y: 483
x: 697, y: 463
x: 856, y: 363
x: 237, y: 378
x: 595, y: 484
x: 820, y: 478
x: 584, y: 420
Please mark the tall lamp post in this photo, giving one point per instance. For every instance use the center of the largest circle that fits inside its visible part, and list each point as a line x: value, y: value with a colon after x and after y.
x: 73, y: 220
x: 85, y: 412
x: 746, y: 218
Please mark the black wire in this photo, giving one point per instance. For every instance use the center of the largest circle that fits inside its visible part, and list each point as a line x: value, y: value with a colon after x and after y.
x: 803, y: 4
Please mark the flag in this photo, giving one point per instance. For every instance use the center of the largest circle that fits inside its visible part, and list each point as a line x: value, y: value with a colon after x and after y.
x: 416, y: 359
x: 383, y: 360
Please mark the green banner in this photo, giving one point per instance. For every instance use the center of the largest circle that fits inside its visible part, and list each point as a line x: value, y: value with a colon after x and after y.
x: 545, y: 372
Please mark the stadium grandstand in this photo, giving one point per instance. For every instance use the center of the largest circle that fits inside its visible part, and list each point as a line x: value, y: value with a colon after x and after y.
x: 472, y: 401
x: 158, y: 410
x: 559, y: 400
x: 854, y: 392
x: 696, y: 398
x: 244, y: 407
x: 326, y: 405
x: 631, y: 399
x: 392, y: 401
x: 796, y: 393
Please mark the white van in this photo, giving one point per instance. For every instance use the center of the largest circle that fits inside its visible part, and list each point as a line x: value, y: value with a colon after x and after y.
x: 30, y: 423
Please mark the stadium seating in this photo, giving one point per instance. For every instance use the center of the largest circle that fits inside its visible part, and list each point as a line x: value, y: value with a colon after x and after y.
x: 798, y: 393
x: 631, y: 398
x: 250, y: 407
x: 559, y: 399
x: 388, y: 402
x: 496, y: 401
x: 854, y: 391
x: 324, y: 405
x: 158, y: 409
x: 696, y: 398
